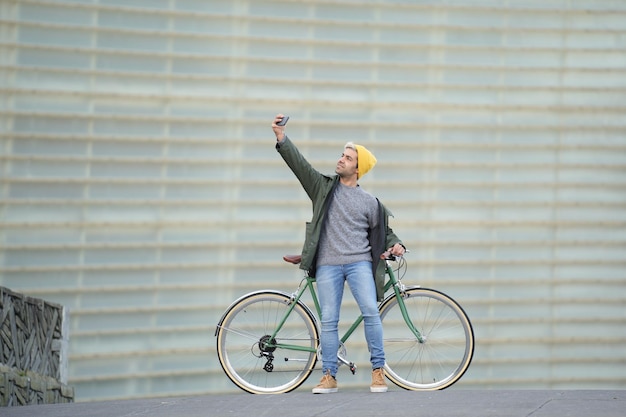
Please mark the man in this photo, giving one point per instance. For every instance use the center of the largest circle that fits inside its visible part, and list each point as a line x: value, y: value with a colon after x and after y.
x: 344, y: 240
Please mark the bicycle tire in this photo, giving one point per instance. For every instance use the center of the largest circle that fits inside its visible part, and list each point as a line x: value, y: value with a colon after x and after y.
x: 448, y: 348
x: 245, y: 328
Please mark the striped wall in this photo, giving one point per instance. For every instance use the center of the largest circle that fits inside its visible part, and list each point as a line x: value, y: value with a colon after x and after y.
x: 140, y: 187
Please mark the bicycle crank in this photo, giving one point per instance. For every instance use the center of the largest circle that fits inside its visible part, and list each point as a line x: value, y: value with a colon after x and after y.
x: 341, y: 357
x: 349, y: 364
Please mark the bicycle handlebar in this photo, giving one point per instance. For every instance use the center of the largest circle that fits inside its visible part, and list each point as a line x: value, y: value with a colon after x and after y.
x: 388, y: 256
x: 295, y: 259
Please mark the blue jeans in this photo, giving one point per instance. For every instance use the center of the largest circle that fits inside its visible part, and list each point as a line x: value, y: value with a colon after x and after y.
x: 330, y: 283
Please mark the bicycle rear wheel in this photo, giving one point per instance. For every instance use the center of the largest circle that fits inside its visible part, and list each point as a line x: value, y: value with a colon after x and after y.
x: 447, y: 348
x: 249, y: 355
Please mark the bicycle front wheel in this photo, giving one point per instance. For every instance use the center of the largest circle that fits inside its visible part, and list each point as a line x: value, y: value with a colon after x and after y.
x: 254, y: 360
x: 447, y: 345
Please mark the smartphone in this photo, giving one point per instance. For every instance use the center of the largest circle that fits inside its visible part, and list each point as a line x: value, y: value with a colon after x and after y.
x: 283, y: 122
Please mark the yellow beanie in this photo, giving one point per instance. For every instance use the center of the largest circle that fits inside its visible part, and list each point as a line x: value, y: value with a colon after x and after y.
x: 365, y: 159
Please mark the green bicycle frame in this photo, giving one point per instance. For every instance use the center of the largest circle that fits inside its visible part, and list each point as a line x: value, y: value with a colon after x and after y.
x: 391, y: 282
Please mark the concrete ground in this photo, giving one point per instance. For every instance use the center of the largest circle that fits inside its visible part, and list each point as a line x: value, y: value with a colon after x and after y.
x: 450, y: 403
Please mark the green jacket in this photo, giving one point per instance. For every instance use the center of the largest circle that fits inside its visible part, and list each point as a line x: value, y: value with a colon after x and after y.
x: 319, y: 188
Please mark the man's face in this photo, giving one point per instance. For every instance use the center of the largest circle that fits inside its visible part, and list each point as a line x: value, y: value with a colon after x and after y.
x: 346, y: 166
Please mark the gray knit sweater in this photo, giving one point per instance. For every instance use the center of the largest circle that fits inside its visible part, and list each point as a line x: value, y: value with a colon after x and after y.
x: 344, y: 238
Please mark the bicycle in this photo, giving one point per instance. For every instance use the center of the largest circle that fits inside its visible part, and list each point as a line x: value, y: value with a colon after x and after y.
x: 268, y: 340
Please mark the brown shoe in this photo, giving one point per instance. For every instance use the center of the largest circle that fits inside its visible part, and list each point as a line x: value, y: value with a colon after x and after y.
x: 378, y: 381
x: 327, y: 385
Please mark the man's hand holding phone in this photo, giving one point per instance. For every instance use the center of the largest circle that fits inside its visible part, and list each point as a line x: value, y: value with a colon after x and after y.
x: 279, y: 126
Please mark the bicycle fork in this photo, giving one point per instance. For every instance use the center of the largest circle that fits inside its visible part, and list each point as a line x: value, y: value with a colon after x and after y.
x: 400, y: 294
